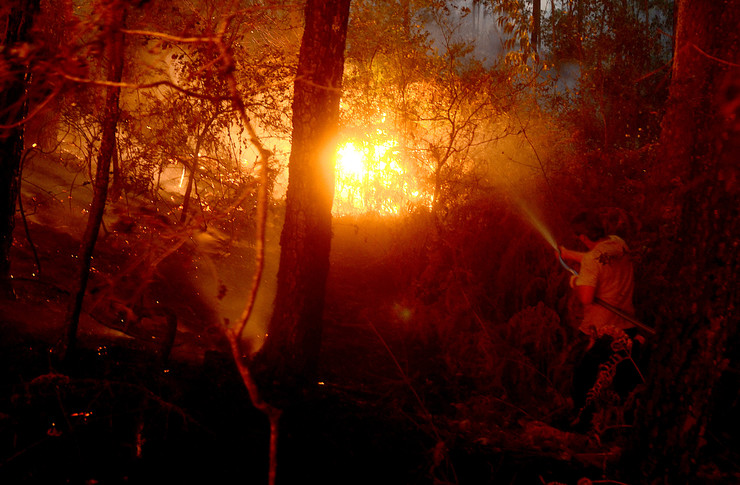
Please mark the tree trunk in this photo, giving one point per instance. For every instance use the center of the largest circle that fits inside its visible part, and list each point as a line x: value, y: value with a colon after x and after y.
x: 100, y: 188
x: 578, y: 40
x: 189, y: 189
x: 536, y: 16
x: 194, y: 169
x: 287, y: 362
x: 116, y: 185
x: 12, y: 110
x: 698, y: 324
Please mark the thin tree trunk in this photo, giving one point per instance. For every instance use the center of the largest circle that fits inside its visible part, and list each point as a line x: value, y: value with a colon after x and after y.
x: 100, y: 188
x: 194, y: 169
x: 579, y: 27
x: 536, y: 15
x: 288, y: 360
x: 189, y: 190
x: 12, y: 110
x: 116, y: 187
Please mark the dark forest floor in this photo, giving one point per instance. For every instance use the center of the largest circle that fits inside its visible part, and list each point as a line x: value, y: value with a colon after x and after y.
x: 117, y: 414
x: 385, y: 410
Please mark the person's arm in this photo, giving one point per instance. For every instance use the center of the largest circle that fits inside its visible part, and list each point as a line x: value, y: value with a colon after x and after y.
x: 584, y: 293
x: 584, y: 285
x: 571, y: 255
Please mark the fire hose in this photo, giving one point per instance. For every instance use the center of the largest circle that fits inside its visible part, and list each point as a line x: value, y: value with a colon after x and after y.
x: 608, y: 306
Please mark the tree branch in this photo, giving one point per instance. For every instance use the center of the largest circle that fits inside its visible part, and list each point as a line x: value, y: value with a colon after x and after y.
x: 154, y: 84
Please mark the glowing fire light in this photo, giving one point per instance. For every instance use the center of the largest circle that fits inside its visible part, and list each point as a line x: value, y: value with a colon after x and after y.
x: 350, y: 161
x: 370, y: 178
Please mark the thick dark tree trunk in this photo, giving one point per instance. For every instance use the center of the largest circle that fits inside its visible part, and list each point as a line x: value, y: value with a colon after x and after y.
x: 287, y: 362
x: 100, y: 188
x: 17, y: 23
x: 698, y: 324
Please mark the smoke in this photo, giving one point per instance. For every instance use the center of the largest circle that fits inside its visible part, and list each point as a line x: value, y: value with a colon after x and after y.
x: 470, y: 22
x: 522, y: 165
x: 224, y: 272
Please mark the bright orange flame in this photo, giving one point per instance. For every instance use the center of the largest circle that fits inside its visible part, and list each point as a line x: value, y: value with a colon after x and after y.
x: 350, y: 161
x: 370, y: 178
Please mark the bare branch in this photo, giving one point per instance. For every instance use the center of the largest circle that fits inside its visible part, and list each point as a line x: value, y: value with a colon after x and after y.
x: 154, y: 84
x: 170, y: 37
x: 35, y: 111
x: 722, y: 61
x: 236, y: 100
x: 273, y: 413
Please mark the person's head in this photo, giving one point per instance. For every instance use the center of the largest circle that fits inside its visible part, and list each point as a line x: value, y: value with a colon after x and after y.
x: 588, y: 224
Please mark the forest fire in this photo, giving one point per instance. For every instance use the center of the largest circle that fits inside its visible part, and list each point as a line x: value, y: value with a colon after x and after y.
x: 370, y: 179
x: 172, y: 311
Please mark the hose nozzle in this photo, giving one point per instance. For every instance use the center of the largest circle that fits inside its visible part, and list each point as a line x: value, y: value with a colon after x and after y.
x: 565, y: 265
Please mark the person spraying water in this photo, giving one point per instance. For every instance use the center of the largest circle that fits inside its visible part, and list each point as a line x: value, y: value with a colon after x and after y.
x: 604, y: 286
x: 606, y: 275
x: 622, y: 311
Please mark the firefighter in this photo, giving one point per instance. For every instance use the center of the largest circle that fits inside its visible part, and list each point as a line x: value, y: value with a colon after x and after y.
x: 606, y: 276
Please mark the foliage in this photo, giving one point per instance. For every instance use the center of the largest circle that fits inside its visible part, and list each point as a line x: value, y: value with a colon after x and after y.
x: 176, y: 97
x: 442, y: 102
x: 602, y: 64
x: 193, y: 125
